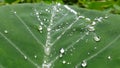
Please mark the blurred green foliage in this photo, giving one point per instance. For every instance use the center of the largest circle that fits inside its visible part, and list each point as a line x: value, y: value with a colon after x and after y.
x: 112, y: 6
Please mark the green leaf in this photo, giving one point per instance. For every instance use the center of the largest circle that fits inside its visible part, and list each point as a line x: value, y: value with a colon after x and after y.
x: 58, y: 36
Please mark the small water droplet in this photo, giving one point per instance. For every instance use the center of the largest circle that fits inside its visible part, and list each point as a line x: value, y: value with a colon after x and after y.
x: 95, y: 47
x: 40, y: 28
x: 46, y: 9
x: 109, y: 57
x: 91, y: 28
x: 88, y: 53
x: 61, y: 55
x: 99, y: 19
x: 88, y: 19
x: 93, y: 23
x: 68, y: 63
x: 15, y: 12
x: 45, y: 65
x: 37, y: 13
x: 35, y: 56
x: 5, y: 31
x: 62, y: 50
x: 58, y: 4
x: 63, y: 61
x: 84, y: 64
x: 25, y: 57
x: 48, y: 29
x: 81, y: 17
x: 47, y: 50
x: 96, y: 38
x: 106, y: 16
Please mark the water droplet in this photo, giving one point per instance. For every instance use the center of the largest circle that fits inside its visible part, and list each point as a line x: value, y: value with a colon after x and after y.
x: 46, y: 9
x: 25, y: 57
x: 47, y: 50
x: 5, y: 31
x: 40, y: 28
x: 96, y: 38
x: 84, y: 64
x: 88, y: 53
x: 99, y: 19
x: 109, y: 57
x: 95, y: 47
x: 88, y: 19
x: 15, y: 12
x: 61, y: 55
x: 63, y: 61
x: 37, y: 13
x: 87, y: 33
x: 91, y: 28
x: 93, y: 23
x: 44, y: 65
x: 48, y: 29
x: 81, y: 17
x: 106, y: 16
x: 62, y: 50
x: 58, y: 4
x: 68, y: 63
x: 35, y: 56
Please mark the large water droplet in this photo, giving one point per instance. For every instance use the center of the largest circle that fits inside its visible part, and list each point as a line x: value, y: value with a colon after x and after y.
x: 84, y: 64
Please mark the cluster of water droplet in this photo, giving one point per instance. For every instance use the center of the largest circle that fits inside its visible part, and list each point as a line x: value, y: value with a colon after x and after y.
x: 90, y: 27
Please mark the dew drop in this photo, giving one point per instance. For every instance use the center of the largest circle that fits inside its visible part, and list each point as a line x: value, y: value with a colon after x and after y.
x: 106, y: 16
x: 47, y: 50
x: 88, y: 19
x: 35, y: 56
x: 63, y: 61
x: 109, y: 57
x: 95, y: 47
x: 44, y: 65
x: 58, y: 4
x: 61, y: 55
x: 25, y: 57
x: 62, y: 50
x: 93, y: 23
x: 5, y: 31
x: 88, y: 53
x: 81, y: 17
x: 91, y: 28
x: 46, y: 9
x: 40, y: 28
x: 15, y: 12
x: 99, y: 19
x: 96, y: 38
x: 48, y: 29
x: 84, y: 64
x: 68, y: 63
x: 37, y: 13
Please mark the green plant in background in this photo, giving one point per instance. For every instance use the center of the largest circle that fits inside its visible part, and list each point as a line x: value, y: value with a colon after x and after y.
x: 111, y: 6
x: 58, y: 36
